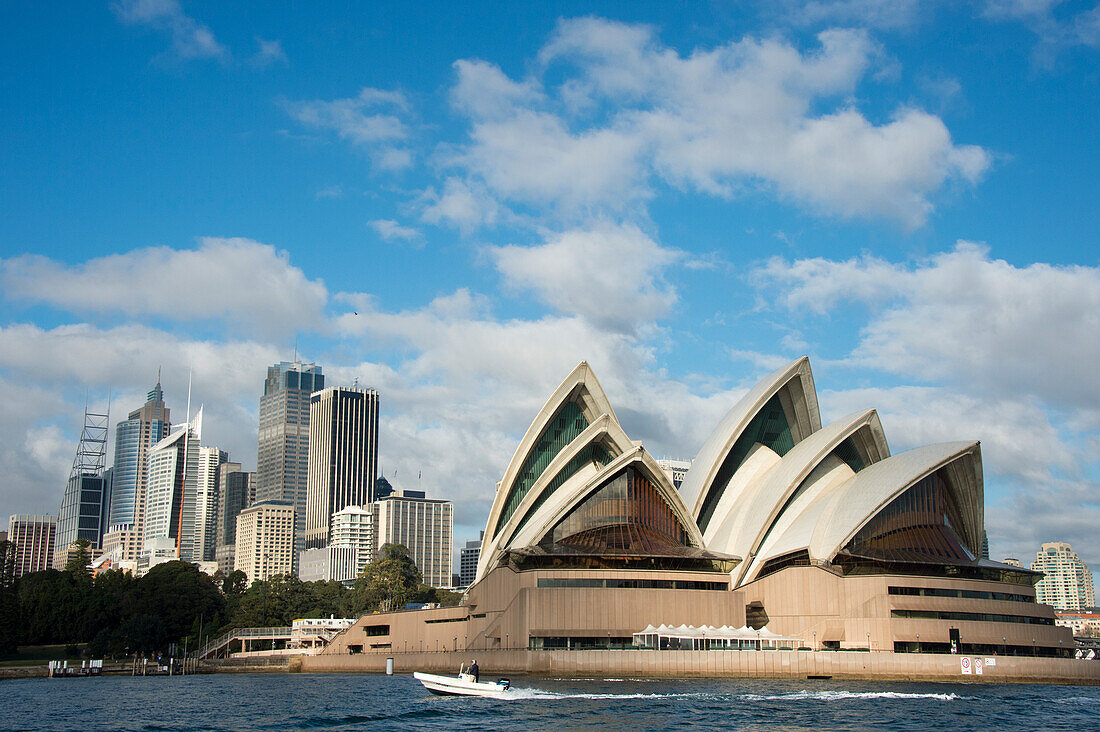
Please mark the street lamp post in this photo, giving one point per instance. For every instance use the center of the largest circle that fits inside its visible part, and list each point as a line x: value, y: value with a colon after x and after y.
x: 918, y: 642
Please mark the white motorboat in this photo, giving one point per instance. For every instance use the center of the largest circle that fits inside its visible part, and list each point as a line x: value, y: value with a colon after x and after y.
x: 464, y: 685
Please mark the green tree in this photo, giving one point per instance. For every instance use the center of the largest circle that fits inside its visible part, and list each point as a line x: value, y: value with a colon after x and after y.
x: 78, y: 562
x: 7, y: 564
x: 387, y: 583
x: 175, y: 594
x: 9, y: 604
x: 235, y: 583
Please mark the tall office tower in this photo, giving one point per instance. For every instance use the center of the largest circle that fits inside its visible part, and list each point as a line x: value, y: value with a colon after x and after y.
x: 33, y: 538
x: 134, y: 437
x: 173, y: 489
x: 265, y: 538
x: 206, y: 501
x: 86, y: 501
x: 343, y: 456
x: 283, y: 454
x: 356, y: 527
x: 1067, y: 581
x: 467, y: 561
x: 424, y: 526
x: 236, y: 492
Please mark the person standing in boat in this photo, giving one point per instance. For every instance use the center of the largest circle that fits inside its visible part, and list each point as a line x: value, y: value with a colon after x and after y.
x: 474, y: 671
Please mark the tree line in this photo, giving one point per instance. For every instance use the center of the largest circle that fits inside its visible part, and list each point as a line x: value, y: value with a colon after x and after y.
x: 115, y: 614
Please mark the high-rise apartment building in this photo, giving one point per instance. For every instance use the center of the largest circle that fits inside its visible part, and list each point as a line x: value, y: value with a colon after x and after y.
x: 206, y: 501
x: 33, y: 539
x: 236, y: 492
x: 1067, y: 581
x: 265, y: 539
x: 343, y: 456
x: 467, y: 561
x: 424, y: 526
x: 86, y: 500
x: 283, y: 449
x: 356, y: 527
x: 174, y: 506
x: 134, y: 438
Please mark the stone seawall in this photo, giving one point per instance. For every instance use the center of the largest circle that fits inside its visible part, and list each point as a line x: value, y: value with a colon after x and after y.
x: 718, y: 664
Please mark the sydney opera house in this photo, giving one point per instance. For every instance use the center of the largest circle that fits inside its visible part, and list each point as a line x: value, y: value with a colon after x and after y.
x: 817, y: 533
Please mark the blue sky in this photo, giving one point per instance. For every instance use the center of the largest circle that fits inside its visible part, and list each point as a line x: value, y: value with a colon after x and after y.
x: 457, y: 204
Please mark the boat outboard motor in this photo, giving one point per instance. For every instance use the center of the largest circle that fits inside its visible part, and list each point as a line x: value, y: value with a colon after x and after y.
x: 504, y: 682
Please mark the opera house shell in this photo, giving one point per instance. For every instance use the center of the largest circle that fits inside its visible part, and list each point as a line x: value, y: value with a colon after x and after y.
x: 817, y: 532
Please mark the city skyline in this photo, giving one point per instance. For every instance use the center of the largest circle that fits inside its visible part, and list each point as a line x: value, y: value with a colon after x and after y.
x: 906, y: 193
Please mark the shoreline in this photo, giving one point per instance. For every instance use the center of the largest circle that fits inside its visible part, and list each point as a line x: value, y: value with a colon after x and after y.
x: 800, y: 665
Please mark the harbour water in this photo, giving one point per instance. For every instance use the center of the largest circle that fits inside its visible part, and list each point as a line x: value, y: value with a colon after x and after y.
x: 367, y: 702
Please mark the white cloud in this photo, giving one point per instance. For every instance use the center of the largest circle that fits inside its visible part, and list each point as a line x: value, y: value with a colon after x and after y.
x: 356, y: 119
x: 886, y: 14
x: 1055, y: 31
x: 390, y: 230
x: 749, y: 114
x: 1065, y: 510
x: 483, y: 90
x: 190, y: 38
x: 462, y: 204
x: 963, y: 317
x: 239, y: 281
x: 371, y: 120
x: 268, y: 53
x: 329, y: 192
x: 610, y: 275
x: 1018, y: 439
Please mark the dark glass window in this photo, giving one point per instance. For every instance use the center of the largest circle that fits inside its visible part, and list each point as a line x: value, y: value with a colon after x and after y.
x: 770, y: 428
x: 917, y: 526
x: 848, y: 452
x: 596, y: 454
x: 563, y: 428
x: 625, y: 515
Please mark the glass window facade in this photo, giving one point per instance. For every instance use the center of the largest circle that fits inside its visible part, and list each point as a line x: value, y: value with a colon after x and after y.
x: 567, y: 423
x: 770, y: 428
x: 595, y: 454
x: 624, y: 515
x: 917, y: 526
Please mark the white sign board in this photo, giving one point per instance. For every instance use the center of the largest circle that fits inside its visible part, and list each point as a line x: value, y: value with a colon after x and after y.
x: 965, y: 661
x: 991, y: 662
x: 978, y: 666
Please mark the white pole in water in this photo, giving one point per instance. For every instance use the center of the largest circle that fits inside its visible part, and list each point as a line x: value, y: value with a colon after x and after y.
x: 389, y: 667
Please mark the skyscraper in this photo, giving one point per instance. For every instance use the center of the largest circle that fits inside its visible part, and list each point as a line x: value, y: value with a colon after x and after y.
x: 343, y: 456
x: 283, y: 448
x: 1067, y: 581
x: 87, y: 496
x: 424, y: 527
x: 175, y: 502
x: 33, y: 538
x: 236, y: 492
x: 206, y: 501
x: 134, y: 437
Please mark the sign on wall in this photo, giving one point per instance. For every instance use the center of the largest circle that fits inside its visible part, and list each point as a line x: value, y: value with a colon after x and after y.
x: 965, y: 661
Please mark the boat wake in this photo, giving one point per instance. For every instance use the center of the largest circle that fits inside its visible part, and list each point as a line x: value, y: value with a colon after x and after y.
x: 530, y: 693
x: 838, y: 695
